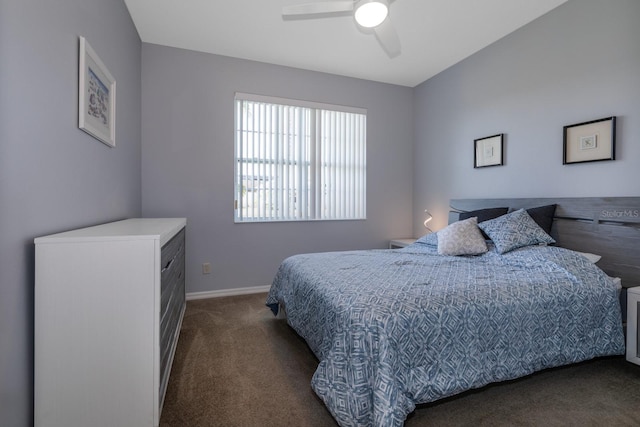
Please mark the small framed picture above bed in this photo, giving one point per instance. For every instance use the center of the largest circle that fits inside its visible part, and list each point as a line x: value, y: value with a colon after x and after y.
x: 488, y: 151
x: 592, y: 141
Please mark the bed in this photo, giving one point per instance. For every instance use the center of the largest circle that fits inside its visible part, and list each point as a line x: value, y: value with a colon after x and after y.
x: 395, y: 328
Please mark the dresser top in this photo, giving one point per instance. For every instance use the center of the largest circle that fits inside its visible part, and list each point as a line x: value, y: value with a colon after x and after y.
x: 162, y: 229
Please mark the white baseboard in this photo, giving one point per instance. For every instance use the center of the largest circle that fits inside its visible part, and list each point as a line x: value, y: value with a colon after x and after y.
x: 227, y: 292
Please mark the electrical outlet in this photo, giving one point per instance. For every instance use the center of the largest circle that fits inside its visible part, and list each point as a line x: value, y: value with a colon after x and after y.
x: 206, y: 268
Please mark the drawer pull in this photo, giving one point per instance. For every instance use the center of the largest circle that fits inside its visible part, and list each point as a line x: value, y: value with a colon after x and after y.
x: 167, y: 266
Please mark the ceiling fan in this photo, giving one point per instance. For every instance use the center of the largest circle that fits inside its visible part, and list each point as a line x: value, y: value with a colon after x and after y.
x: 369, y: 14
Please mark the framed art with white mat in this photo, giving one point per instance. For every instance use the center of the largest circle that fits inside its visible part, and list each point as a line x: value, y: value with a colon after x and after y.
x: 592, y: 141
x: 96, y: 96
x: 488, y: 151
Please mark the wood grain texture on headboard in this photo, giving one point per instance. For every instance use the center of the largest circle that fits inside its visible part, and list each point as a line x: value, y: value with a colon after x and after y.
x: 607, y: 226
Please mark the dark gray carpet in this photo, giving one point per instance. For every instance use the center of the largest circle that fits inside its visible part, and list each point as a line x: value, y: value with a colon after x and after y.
x: 236, y: 365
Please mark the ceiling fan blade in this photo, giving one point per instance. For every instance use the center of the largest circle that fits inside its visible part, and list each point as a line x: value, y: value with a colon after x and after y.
x: 388, y: 38
x: 318, y: 7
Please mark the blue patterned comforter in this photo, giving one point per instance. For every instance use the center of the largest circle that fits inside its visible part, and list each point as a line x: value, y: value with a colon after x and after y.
x: 394, y: 328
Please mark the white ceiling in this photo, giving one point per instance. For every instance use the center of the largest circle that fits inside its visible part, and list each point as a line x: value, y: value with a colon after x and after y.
x: 434, y: 34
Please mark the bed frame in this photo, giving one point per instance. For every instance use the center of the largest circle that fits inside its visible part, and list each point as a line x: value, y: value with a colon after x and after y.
x: 607, y: 226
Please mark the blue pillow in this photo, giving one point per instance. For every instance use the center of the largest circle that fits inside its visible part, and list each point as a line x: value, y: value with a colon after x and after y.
x: 515, y: 230
x: 483, y: 215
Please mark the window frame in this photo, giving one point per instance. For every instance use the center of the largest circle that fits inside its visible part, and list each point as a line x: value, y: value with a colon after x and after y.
x: 312, y: 213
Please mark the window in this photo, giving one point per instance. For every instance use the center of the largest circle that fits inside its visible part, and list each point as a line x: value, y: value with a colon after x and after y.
x: 298, y: 161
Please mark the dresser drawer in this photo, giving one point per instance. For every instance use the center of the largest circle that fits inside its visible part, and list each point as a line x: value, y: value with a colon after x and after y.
x: 172, y: 272
x: 171, y: 251
x: 172, y: 301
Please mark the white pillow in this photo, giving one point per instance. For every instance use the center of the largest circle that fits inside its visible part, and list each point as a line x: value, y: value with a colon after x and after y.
x: 462, y: 238
x: 591, y: 257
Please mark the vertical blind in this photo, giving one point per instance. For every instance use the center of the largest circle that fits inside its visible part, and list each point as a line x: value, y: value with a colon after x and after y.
x: 298, y: 161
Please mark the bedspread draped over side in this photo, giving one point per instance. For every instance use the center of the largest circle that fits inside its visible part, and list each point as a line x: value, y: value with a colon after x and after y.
x: 394, y: 328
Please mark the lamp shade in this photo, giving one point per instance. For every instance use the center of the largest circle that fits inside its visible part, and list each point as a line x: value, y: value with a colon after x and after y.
x: 371, y: 13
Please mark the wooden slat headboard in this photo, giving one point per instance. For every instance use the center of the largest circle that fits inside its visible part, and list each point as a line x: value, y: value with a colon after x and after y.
x: 607, y: 226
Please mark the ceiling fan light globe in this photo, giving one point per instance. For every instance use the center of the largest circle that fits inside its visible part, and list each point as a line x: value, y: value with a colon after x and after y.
x: 371, y: 13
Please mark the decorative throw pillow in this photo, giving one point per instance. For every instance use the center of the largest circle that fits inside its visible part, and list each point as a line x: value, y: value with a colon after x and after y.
x: 461, y: 238
x: 515, y: 230
x: 484, y: 215
x: 543, y: 216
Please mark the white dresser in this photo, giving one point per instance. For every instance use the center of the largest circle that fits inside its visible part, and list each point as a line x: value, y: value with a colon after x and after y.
x: 109, y: 302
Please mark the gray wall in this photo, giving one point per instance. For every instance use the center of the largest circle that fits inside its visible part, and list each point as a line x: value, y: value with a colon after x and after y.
x: 53, y: 176
x: 579, y: 62
x: 187, y: 162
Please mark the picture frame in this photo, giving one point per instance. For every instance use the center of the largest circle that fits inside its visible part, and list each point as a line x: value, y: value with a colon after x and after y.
x: 96, y: 96
x: 488, y: 151
x: 592, y: 141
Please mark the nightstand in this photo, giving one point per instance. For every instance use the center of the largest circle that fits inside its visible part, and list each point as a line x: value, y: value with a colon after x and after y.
x: 633, y: 341
x: 401, y: 243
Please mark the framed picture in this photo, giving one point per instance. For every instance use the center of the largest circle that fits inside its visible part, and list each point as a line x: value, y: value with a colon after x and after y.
x: 97, y: 97
x: 488, y: 151
x: 592, y: 141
